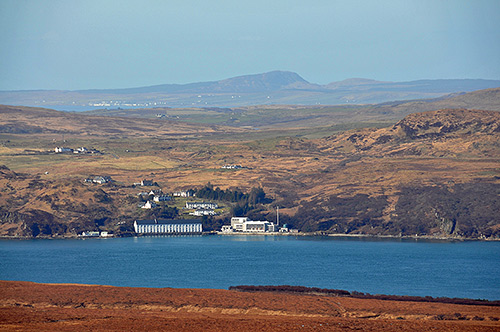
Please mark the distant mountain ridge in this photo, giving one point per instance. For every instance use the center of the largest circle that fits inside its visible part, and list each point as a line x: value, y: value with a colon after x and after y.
x: 271, y: 81
x: 275, y: 87
x: 286, y: 80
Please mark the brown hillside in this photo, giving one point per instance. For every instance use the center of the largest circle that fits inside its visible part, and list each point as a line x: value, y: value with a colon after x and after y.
x: 441, y: 132
x: 40, y: 121
x: 431, y: 174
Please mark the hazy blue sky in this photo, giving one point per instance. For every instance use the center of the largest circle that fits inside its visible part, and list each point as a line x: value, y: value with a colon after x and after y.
x: 76, y: 44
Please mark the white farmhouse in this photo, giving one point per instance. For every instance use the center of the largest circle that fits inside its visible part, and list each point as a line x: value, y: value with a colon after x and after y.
x: 161, y: 198
x: 148, y: 205
x: 63, y: 150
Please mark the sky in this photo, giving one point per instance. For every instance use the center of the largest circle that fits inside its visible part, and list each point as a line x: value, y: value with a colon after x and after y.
x: 86, y: 44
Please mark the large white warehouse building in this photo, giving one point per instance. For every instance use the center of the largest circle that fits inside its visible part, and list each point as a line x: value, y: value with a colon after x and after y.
x: 164, y: 226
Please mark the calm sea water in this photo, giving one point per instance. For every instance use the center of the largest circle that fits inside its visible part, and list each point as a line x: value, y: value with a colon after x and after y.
x: 400, y: 267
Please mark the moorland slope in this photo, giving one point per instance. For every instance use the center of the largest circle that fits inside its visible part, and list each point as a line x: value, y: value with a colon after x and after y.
x: 430, y: 174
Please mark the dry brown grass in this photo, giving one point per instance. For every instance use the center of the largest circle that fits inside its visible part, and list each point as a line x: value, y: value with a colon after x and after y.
x: 30, y: 306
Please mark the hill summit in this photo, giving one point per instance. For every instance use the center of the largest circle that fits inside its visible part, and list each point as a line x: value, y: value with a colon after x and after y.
x: 271, y: 81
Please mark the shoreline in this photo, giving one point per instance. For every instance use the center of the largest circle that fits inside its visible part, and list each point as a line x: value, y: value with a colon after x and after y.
x: 333, y: 235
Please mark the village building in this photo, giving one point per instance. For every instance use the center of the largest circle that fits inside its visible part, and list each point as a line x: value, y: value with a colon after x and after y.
x: 155, y: 192
x: 201, y: 205
x: 147, y: 183
x: 148, y: 205
x: 243, y: 224
x: 203, y: 212
x: 90, y: 234
x: 232, y: 167
x: 99, y: 179
x: 183, y: 194
x: 81, y: 150
x: 63, y: 150
x: 162, y: 198
x: 163, y: 226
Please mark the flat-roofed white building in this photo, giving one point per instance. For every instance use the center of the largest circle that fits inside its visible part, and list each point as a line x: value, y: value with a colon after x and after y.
x: 243, y: 224
x: 164, y: 226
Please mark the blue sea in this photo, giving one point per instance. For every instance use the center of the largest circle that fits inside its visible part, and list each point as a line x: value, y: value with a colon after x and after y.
x: 469, y: 269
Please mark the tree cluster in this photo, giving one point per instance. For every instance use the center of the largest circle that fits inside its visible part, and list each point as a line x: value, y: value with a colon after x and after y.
x: 245, y: 202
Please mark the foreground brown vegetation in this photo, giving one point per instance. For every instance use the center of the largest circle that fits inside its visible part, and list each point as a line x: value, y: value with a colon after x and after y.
x: 26, y: 306
x: 359, y: 295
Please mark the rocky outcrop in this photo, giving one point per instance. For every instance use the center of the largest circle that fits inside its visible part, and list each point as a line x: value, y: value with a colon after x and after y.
x: 447, y: 122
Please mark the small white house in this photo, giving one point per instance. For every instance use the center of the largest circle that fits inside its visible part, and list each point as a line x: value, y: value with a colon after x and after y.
x: 90, y: 234
x: 149, y: 205
x: 232, y: 167
x: 81, y: 150
x: 161, y: 198
x: 63, y: 150
x: 101, y: 179
x: 147, y: 183
x: 155, y: 192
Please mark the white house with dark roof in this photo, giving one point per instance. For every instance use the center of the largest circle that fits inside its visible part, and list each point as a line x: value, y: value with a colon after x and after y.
x: 63, y: 150
x: 148, y: 183
x: 161, y: 198
x: 148, y: 205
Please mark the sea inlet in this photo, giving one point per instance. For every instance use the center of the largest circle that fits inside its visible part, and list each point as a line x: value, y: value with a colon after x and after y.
x: 462, y: 269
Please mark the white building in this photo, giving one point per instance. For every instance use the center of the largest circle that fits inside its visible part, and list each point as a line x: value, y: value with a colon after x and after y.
x: 163, y: 226
x: 183, y: 194
x: 203, y: 212
x: 90, y: 234
x: 161, y: 198
x: 81, y: 150
x: 147, y: 183
x: 155, y: 192
x: 201, y: 205
x: 148, y: 205
x: 63, y: 150
x: 243, y: 224
x: 232, y: 167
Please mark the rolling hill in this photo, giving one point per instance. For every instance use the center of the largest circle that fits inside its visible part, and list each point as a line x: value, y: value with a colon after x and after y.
x: 276, y: 87
x: 429, y: 174
x: 293, y: 117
